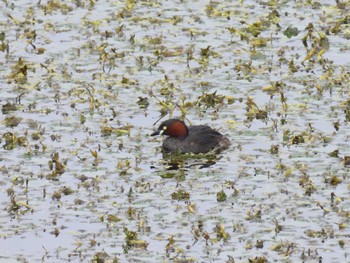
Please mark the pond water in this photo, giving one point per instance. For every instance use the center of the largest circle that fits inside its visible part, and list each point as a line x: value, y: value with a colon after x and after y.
x: 83, y: 85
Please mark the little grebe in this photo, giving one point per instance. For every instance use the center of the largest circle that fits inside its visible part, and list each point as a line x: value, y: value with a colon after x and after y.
x: 193, y: 139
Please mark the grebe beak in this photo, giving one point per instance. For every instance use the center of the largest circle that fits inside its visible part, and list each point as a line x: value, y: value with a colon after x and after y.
x: 155, y: 133
x: 159, y: 132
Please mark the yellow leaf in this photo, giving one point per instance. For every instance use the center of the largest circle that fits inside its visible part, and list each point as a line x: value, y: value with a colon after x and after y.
x: 270, y: 89
x: 310, y: 54
x: 94, y: 153
x: 320, y: 54
x: 192, y: 208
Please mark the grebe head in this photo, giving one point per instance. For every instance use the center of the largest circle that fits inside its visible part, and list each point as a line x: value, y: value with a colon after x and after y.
x: 172, y: 128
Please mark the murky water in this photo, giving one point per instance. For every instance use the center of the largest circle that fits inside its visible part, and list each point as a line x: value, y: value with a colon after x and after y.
x: 83, y: 82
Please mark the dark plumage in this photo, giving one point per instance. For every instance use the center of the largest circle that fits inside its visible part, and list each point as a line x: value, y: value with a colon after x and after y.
x: 193, y: 139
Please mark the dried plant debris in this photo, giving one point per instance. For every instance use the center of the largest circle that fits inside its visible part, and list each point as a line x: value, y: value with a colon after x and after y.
x: 85, y: 82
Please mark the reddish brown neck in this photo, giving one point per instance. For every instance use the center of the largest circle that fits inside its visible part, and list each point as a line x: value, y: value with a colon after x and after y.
x: 177, y: 129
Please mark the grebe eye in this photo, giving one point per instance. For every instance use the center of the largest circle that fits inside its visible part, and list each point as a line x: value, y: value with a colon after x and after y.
x: 163, y: 130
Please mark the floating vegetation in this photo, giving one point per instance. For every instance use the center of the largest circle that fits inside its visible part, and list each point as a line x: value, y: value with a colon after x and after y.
x: 291, y: 31
x: 84, y: 84
x: 221, y: 196
x: 108, y: 130
x: 12, y: 121
x: 56, y: 166
x: 180, y: 195
x: 8, y: 107
x: 132, y: 241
